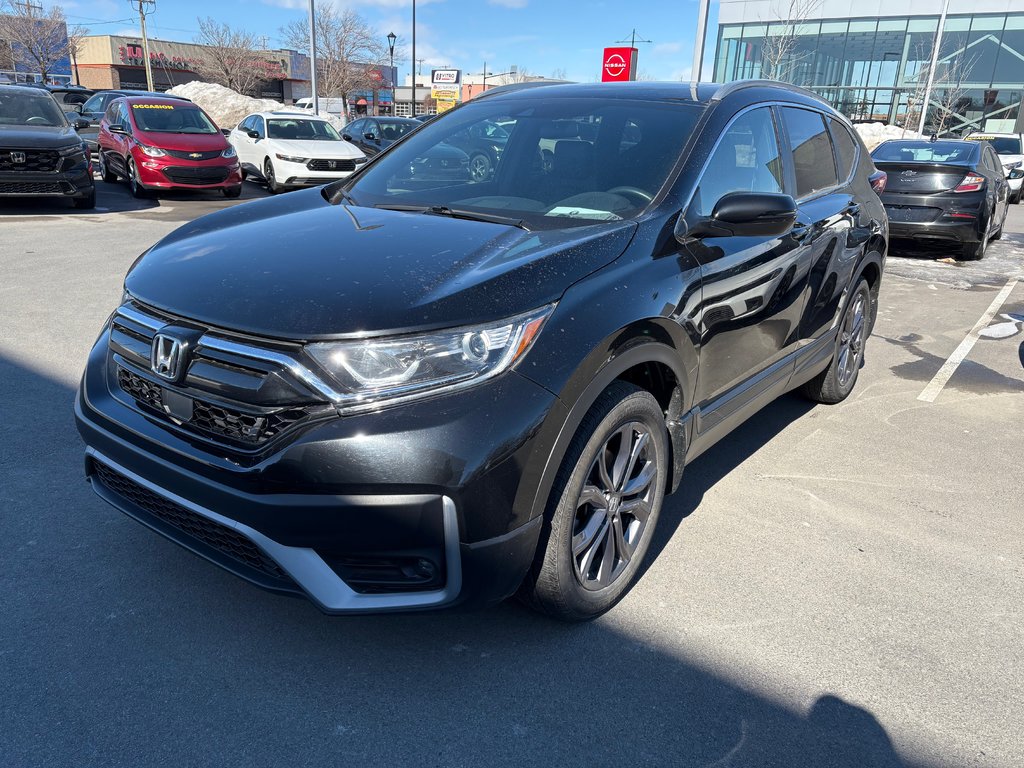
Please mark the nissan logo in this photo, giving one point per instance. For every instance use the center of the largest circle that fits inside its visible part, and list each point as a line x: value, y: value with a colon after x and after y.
x: 166, y: 357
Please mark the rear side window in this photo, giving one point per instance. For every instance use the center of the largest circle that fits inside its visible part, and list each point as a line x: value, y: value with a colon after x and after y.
x: 813, y: 161
x: 745, y: 160
x: 846, y: 148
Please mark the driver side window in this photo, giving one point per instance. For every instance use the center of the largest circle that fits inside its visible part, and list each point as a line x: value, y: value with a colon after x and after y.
x: 745, y: 160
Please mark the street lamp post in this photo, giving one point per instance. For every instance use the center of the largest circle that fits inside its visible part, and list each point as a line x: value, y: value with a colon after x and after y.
x: 391, y: 72
x: 413, y: 105
x: 312, y: 58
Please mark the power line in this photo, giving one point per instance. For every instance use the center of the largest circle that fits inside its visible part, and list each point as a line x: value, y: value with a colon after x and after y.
x: 633, y: 40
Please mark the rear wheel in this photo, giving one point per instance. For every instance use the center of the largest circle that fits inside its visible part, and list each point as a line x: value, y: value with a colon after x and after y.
x: 976, y: 251
x: 603, y: 507
x: 1002, y: 221
x: 835, y: 383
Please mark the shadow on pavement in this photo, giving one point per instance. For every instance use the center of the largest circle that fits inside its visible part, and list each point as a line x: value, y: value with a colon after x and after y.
x: 118, y: 648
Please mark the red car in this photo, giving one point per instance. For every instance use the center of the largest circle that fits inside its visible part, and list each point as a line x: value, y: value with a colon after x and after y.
x: 165, y: 144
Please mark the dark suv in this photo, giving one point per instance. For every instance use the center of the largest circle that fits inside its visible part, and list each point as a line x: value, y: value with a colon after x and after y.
x: 41, y: 155
x: 447, y: 394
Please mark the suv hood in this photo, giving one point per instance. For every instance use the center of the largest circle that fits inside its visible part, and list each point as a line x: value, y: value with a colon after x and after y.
x: 38, y: 136
x: 299, y: 268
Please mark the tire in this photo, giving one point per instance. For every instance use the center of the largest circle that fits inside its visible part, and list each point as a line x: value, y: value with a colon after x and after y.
x: 106, y: 174
x: 134, y: 185
x: 1002, y: 222
x: 976, y: 251
x: 1016, y: 198
x: 571, y: 579
x: 479, y: 167
x: 86, y: 203
x: 835, y: 383
x: 232, y: 192
x: 271, y: 179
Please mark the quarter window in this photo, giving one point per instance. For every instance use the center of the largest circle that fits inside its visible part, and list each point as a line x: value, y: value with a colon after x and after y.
x: 846, y: 148
x: 745, y: 160
x: 813, y: 161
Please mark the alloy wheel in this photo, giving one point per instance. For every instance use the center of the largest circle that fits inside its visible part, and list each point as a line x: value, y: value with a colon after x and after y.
x: 479, y: 167
x: 851, y: 340
x: 614, y: 506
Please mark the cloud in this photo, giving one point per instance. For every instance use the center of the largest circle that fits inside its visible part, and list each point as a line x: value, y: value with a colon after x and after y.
x: 509, y: 3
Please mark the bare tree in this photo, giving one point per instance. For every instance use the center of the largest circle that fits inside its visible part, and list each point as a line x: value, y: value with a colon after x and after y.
x: 948, y: 91
x: 39, y: 40
x: 559, y: 74
x: 349, y: 51
x: 233, y: 57
x: 779, y: 56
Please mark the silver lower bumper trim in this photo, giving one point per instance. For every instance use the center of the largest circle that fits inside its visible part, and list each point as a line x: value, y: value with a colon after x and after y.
x: 312, y: 574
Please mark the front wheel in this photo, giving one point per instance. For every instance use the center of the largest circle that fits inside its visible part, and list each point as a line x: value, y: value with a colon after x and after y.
x: 479, y: 167
x: 86, y: 203
x: 603, y: 507
x: 232, y: 192
x: 835, y: 383
x: 134, y: 185
x: 268, y: 174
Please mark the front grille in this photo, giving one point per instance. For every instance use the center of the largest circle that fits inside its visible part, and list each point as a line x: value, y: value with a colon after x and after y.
x: 186, y: 155
x: 196, y: 176
x: 36, y: 160
x: 213, y: 534
x: 211, y: 418
x: 35, y: 188
x: 331, y: 165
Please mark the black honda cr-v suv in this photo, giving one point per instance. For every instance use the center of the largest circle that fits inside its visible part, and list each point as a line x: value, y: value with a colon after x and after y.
x: 396, y: 393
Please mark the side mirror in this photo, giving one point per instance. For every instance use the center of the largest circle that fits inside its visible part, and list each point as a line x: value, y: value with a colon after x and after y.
x: 1016, y: 173
x: 119, y: 129
x: 226, y: 131
x: 369, y: 137
x: 252, y: 134
x: 347, y: 136
x: 743, y: 214
x: 79, y: 123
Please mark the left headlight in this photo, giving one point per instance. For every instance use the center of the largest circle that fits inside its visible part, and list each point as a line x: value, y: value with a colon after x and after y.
x: 291, y: 158
x: 378, y: 371
x: 229, y: 152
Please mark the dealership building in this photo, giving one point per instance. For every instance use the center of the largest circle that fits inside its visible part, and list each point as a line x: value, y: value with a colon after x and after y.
x: 874, y: 65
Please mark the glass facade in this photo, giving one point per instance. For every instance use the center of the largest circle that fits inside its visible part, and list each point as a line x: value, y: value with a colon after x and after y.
x: 877, y: 69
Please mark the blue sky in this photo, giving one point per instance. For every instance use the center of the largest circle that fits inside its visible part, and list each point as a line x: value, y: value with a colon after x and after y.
x: 541, y: 36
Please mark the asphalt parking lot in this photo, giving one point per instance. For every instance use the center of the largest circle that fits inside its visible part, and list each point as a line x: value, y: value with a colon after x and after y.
x: 834, y: 586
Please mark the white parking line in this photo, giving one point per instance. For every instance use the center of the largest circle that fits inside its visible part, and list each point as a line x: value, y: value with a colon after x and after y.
x: 960, y: 353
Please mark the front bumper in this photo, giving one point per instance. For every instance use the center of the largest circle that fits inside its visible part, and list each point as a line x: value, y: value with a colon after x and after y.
x: 299, y: 175
x: 163, y: 173
x: 429, y: 485
x: 77, y: 182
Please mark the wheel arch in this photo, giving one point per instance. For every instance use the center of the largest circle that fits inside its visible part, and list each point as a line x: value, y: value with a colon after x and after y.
x: 644, y: 355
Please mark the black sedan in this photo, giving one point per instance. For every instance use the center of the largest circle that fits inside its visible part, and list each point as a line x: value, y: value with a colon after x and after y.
x: 375, y: 134
x: 943, y: 193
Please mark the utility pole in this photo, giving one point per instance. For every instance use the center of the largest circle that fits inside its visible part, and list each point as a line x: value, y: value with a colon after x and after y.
x: 633, y: 40
x: 144, y: 6
x: 932, y: 66
x: 312, y: 59
x: 413, y: 105
x: 30, y: 8
x: 698, y: 44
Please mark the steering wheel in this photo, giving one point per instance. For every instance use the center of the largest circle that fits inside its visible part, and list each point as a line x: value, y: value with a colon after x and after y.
x: 633, y: 192
x: 36, y: 120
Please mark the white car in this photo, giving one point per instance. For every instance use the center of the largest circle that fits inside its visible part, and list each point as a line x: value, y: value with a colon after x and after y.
x: 288, y: 149
x: 1011, y: 154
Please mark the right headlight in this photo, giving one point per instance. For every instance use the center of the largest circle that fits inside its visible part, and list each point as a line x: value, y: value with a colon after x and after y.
x: 291, y: 158
x: 373, y: 372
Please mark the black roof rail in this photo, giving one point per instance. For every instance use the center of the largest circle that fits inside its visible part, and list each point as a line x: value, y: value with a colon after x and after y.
x: 739, y: 85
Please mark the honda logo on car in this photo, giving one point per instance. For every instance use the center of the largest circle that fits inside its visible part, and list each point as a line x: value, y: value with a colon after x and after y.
x: 18, y: 157
x: 165, y: 357
x: 619, y: 65
x: 445, y: 76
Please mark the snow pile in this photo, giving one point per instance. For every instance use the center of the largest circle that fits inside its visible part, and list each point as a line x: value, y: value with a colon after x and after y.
x: 874, y: 134
x: 226, y: 107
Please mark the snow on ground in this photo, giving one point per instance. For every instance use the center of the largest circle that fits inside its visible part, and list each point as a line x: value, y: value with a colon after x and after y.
x: 875, y: 133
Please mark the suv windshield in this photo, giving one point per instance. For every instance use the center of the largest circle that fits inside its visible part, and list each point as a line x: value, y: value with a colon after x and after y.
x: 301, y: 130
x: 565, y: 161
x: 28, y: 108
x: 924, y: 152
x: 168, y: 118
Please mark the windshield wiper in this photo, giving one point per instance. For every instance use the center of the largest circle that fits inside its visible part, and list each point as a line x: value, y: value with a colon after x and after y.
x: 456, y: 213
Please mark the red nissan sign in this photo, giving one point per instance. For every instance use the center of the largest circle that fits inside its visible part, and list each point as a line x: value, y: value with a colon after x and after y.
x: 619, y: 65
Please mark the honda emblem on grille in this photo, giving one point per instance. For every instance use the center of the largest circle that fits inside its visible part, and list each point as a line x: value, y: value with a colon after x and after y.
x: 166, y: 357
x: 332, y: 164
x: 18, y: 157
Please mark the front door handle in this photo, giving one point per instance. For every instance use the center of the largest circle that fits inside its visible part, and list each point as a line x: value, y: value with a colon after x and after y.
x: 800, y: 232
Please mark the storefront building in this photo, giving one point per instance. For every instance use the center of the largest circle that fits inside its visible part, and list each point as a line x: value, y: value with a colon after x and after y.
x: 875, y: 66
x: 108, y: 61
